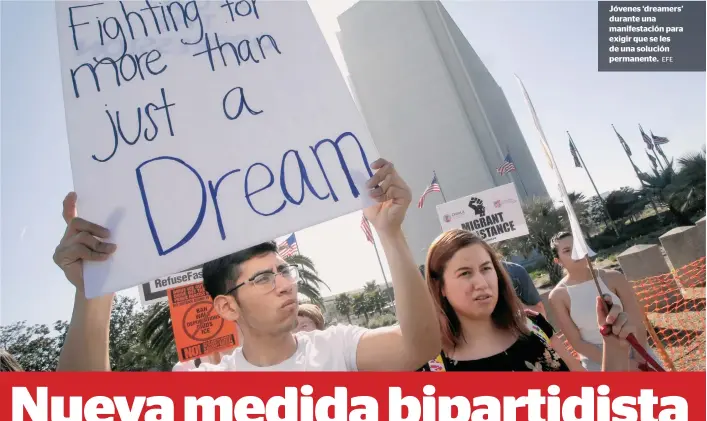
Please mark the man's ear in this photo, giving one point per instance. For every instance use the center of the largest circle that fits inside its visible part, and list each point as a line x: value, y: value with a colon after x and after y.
x: 556, y: 260
x: 227, y: 307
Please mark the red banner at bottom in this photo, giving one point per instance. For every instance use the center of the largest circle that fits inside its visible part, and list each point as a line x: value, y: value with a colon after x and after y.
x: 352, y: 396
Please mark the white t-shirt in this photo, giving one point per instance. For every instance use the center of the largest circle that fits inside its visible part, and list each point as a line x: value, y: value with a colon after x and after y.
x: 184, y: 366
x: 332, y: 349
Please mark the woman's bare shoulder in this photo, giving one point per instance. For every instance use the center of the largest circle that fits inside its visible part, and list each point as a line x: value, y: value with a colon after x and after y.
x: 559, y: 292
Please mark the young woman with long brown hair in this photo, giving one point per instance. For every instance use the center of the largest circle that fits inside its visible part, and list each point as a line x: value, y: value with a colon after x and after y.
x: 484, y: 326
x: 569, y: 301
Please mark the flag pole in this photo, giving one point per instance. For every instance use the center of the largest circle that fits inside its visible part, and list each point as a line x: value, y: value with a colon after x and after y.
x: 366, y: 226
x: 508, y: 153
x: 601, y: 199
x: 385, y: 278
x: 658, y: 159
x: 635, y: 169
x: 295, y: 237
x: 665, y: 158
x: 440, y: 186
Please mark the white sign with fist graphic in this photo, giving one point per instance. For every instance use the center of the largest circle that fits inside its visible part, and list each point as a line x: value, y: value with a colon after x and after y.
x: 494, y: 214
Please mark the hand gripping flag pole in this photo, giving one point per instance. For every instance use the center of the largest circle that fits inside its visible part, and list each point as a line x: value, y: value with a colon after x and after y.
x: 580, y: 248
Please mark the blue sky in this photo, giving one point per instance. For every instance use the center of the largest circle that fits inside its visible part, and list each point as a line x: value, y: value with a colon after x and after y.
x: 550, y: 45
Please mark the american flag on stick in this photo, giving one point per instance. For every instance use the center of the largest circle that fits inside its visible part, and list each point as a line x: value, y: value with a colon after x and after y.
x: 507, y: 165
x: 366, y: 227
x: 288, y: 247
x: 433, y: 187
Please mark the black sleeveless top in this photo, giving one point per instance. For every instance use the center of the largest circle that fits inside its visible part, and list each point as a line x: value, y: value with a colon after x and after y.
x: 532, y: 352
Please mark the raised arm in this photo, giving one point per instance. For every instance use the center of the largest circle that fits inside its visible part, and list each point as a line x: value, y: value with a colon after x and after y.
x: 86, y: 344
x: 559, y: 302
x: 417, y: 339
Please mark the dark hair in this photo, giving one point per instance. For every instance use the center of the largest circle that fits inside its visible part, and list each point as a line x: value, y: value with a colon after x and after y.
x: 556, y: 239
x: 220, y: 274
x: 8, y: 362
x: 508, y: 313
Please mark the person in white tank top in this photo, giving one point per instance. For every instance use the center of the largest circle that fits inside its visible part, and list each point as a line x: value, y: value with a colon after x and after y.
x: 573, y: 302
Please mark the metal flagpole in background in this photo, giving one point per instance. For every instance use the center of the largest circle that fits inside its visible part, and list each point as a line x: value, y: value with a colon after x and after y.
x: 627, y: 150
x: 603, y: 203
x: 508, y: 154
x: 440, y: 186
x: 651, y: 146
x: 366, y: 227
x: 295, y: 238
x: 385, y: 278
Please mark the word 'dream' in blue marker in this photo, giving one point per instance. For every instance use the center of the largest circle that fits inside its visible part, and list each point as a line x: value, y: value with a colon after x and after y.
x: 212, y: 128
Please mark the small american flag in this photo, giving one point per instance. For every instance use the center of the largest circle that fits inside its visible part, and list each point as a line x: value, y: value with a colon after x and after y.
x: 659, y: 140
x: 646, y: 138
x: 288, y: 247
x: 366, y: 227
x: 434, y: 186
x: 507, y: 166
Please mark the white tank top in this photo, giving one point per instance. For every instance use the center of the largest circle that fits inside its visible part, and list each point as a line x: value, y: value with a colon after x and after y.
x: 583, y: 308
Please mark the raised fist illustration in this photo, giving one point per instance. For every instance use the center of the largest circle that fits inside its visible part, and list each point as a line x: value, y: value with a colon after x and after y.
x: 477, y: 205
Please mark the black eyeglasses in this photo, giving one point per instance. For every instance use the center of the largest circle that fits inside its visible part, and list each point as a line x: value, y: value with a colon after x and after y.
x: 266, y: 281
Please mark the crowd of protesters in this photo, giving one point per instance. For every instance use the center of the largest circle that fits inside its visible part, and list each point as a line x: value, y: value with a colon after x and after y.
x: 469, y: 311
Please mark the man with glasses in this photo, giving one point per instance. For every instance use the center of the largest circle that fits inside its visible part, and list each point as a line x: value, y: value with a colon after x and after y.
x: 257, y: 289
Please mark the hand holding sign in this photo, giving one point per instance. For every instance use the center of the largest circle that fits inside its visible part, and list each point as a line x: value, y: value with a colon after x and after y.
x: 208, y: 131
x: 81, y: 241
x: 392, y: 194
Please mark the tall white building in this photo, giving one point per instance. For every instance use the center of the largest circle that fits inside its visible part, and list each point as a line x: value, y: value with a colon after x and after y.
x: 431, y: 105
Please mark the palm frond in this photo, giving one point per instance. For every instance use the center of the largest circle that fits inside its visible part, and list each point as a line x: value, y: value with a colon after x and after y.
x: 312, y: 278
x: 156, y: 334
x: 300, y: 260
x: 311, y: 293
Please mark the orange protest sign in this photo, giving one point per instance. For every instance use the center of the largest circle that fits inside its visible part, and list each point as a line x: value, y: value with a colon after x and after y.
x: 198, y: 330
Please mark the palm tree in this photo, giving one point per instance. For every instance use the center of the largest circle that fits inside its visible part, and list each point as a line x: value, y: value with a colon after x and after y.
x: 370, y: 287
x: 664, y: 186
x: 310, y: 282
x: 157, y: 335
x: 376, y: 301
x: 344, y: 305
x: 361, y: 306
x: 691, y: 180
x: 581, y: 209
x: 544, y: 220
x: 625, y: 203
x: 143, y: 358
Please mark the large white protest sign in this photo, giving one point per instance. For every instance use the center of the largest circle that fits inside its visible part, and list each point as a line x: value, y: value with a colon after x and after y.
x: 200, y: 128
x: 494, y: 214
x: 156, y: 290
